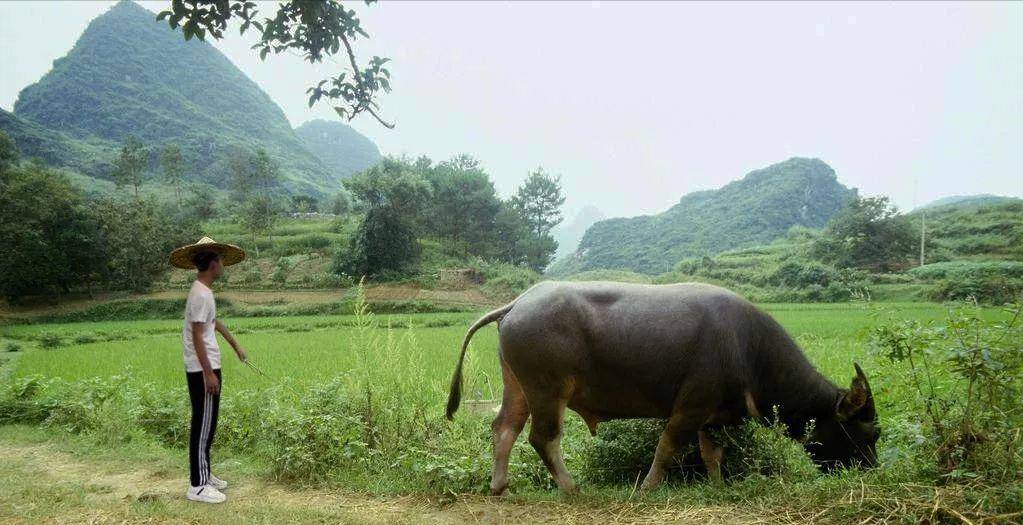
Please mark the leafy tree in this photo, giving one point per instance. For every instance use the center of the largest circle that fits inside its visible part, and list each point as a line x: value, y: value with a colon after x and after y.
x: 385, y: 244
x: 386, y: 241
x: 255, y: 177
x: 393, y: 183
x: 867, y: 233
x: 464, y: 205
x: 511, y: 235
x: 539, y: 202
x: 342, y: 203
x: 200, y: 202
x: 173, y: 166
x: 131, y: 164
x: 135, y: 239
x: 304, y: 203
x: 47, y: 239
x: 314, y: 29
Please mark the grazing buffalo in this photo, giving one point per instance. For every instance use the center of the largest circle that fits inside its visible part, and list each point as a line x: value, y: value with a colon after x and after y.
x: 694, y: 354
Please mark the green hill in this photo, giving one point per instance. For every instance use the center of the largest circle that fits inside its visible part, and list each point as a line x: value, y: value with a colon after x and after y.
x: 754, y: 210
x: 961, y: 201
x: 344, y: 150
x: 129, y: 74
x: 88, y: 156
x: 971, y: 229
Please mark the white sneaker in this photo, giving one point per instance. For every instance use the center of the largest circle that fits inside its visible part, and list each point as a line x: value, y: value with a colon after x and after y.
x: 206, y: 494
x: 216, y: 482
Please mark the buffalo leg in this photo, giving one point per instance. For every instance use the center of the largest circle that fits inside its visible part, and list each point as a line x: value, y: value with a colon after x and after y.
x: 681, y: 425
x: 545, y: 436
x: 506, y: 428
x: 712, y: 453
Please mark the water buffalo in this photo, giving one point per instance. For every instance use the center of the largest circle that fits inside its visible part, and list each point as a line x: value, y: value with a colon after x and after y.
x: 694, y: 354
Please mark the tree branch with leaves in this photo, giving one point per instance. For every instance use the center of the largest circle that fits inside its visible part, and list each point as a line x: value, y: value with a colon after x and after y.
x: 314, y: 28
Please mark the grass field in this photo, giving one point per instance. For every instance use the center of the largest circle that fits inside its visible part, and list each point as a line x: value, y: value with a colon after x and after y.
x: 351, y: 397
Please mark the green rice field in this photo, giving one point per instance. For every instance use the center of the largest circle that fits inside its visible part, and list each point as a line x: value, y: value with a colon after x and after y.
x: 345, y: 400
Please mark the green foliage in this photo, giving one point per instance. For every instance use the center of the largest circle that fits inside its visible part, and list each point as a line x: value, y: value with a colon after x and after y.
x: 8, y: 151
x: 48, y: 236
x: 970, y: 229
x: 994, y: 290
x: 131, y: 164
x: 315, y: 29
x: 464, y: 205
x: 255, y: 178
x: 867, y: 233
x: 764, y: 449
x: 755, y: 210
x: 538, y: 201
x: 968, y: 270
x: 503, y: 281
x: 136, y: 238
x: 622, y: 451
x: 384, y: 245
x: 172, y: 165
x: 973, y: 414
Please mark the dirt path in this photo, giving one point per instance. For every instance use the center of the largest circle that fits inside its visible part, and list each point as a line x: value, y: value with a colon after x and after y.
x: 43, y: 484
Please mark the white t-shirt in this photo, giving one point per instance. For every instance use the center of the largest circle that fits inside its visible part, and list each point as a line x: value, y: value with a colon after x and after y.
x: 200, y: 308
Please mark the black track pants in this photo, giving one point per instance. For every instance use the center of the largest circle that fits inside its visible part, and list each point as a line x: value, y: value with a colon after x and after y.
x: 204, y: 424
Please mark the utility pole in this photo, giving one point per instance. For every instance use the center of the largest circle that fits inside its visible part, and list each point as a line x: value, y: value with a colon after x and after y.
x: 923, y: 235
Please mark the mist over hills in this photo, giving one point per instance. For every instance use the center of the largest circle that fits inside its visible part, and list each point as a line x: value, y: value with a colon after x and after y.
x: 569, y: 233
x: 342, y: 149
x: 130, y: 75
x: 756, y: 209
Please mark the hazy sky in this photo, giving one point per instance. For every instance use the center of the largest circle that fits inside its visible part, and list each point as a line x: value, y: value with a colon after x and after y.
x: 637, y: 104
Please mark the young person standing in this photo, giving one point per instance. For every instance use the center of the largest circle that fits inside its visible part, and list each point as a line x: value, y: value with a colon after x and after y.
x: 202, y: 358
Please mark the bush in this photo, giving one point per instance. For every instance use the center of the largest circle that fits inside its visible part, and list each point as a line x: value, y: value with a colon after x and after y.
x: 756, y: 449
x: 988, y: 290
x: 621, y: 451
x: 12, y: 346
x: 48, y: 340
x: 801, y: 274
x: 971, y: 415
x: 969, y: 270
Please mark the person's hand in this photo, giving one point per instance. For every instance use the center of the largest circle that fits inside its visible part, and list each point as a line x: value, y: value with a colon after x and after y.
x: 242, y: 356
x: 212, y: 383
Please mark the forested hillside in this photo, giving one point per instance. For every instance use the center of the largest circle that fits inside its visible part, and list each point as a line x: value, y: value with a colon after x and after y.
x: 756, y: 209
x: 342, y: 149
x: 129, y: 75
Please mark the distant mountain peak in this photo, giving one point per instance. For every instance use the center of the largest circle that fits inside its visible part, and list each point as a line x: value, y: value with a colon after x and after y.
x: 755, y: 209
x: 129, y: 74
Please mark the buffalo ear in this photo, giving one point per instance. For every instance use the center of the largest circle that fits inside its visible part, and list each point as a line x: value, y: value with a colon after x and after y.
x: 856, y: 398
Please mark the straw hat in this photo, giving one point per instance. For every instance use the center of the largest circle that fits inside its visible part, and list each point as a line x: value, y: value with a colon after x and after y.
x: 229, y: 253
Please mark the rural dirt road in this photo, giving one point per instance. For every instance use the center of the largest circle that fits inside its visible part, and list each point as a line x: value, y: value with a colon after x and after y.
x: 44, y: 484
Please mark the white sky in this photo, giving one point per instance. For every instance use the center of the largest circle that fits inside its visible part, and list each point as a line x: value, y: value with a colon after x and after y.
x: 637, y: 104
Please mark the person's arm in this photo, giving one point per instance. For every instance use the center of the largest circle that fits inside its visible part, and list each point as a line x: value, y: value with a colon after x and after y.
x: 209, y: 378
x: 238, y: 350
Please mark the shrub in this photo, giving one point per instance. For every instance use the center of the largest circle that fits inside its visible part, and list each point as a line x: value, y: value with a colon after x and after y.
x: 801, y: 274
x: 12, y: 346
x: 48, y: 340
x: 988, y: 290
x: 83, y: 339
x: 621, y: 451
x: 972, y: 415
x: 758, y: 449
